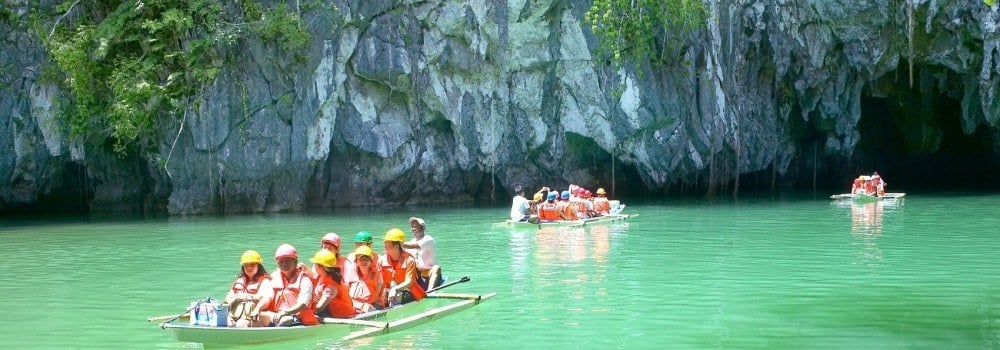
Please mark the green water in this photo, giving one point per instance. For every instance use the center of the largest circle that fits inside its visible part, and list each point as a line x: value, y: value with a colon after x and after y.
x: 808, y: 274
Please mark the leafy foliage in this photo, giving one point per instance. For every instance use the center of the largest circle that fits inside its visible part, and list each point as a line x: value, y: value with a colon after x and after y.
x: 132, y: 66
x: 627, y: 30
x: 990, y: 2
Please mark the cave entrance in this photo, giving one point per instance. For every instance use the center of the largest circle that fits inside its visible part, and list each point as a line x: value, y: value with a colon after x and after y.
x: 595, y: 169
x: 71, y: 197
x: 913, y: 137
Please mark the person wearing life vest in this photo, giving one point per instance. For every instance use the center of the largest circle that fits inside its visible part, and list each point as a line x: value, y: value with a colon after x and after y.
x: 564, y: 207
x: 856, y: 186
x: 601, y: 204
x: 245, y: 292
x: 588, y: 199
x: 547, y: 211
x: 290, y: 301
x: 533, y: 204
x: 576, y: 201
x: 399, y: 269
x: 330, y: 296
x: 879, y: 184
x: 362, y: 238
x: 331, y: 242
x: 367, y: 290
x: 869, y: 186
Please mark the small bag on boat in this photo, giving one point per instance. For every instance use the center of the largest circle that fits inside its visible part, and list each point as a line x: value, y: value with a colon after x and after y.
x: 209, y: 313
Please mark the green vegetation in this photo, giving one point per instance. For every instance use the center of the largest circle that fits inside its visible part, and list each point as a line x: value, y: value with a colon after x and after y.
x: 990, y: 2
x: 132, y: 67
x: 628, y: 30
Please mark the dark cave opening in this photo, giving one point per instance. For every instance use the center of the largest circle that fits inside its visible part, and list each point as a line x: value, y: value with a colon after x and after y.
x: 915, y: 141
x: 600, y: 171
x: 71, y: 197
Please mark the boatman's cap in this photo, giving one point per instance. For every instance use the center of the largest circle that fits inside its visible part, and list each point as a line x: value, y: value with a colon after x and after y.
x: 418, y: 221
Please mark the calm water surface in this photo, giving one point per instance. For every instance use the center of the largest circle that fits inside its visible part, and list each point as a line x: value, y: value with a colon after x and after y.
x: 920, y: 273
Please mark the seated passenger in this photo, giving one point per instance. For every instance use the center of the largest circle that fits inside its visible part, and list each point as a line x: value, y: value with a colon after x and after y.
x: 330, y: 296
x: 244, y: 295
x: 399, y: 269
x: 290, y: 300
x: 367, y: 290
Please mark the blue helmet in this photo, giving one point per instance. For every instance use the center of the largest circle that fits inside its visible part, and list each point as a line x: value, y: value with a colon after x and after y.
x: 565, y: 195
x: 552, y: 195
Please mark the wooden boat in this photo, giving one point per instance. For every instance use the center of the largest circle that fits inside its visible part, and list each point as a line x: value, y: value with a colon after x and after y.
x: 606, y: 219
x: 868, y: 198
x: 435, y: 305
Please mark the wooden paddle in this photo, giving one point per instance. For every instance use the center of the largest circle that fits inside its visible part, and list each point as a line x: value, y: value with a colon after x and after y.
x: 460, y: 280
x: 185, y: 313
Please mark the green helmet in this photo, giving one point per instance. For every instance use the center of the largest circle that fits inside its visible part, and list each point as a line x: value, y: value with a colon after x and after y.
x: 363, y: 236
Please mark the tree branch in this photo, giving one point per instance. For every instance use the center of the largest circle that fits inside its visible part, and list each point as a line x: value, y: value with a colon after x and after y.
x: 56, y: 25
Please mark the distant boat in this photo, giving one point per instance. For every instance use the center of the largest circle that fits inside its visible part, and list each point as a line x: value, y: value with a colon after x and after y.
x: 865, y: 198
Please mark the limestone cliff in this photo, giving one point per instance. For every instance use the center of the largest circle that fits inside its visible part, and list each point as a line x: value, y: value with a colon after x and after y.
x: 406, y: 102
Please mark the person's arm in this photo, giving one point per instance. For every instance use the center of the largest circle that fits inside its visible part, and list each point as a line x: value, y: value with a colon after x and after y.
x: 411, y: 270
x: 231, y: 296
x: 309, y: 272
x: 327, y: 294
x: 411, y: 244
x: 305, y: 297
x: 264, y: 296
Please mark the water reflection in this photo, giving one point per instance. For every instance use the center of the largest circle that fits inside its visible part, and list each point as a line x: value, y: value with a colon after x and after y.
x: 867, y: 225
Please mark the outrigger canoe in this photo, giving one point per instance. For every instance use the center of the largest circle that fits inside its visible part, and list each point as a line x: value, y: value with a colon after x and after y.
x: 606, y: 219
x: 864, y: 198
x: 434, y: 306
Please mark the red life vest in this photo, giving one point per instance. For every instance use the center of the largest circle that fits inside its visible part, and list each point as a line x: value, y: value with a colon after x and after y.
x: 286, y: 295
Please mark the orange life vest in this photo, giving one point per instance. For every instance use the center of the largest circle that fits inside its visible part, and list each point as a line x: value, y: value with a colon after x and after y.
x: 341, y: 306
x: 397, y: 271
x: 547, y: 211
x: 286, y: 295
x: 602, y: 205
x: 368, y: 290
x: 567, y: 210
x: 581, y: 206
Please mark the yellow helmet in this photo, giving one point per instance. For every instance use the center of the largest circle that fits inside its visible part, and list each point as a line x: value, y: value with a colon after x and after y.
x: 395, y: 235
x: 364, y: 250
x: 539, y: 196
x: 325, y: 257
x: 251, y: 256
x: 601, y: 191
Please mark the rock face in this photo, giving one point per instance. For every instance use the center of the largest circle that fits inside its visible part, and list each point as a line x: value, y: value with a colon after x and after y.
x: 414, y: 102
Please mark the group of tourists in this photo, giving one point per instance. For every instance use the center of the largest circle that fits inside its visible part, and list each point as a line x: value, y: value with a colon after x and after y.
x: 334, y: 286
x: 871, y: 185
x: 546, y: 205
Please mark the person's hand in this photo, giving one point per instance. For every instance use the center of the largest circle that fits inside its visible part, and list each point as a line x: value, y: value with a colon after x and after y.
x: 302, y: 266
x: 278, y: 315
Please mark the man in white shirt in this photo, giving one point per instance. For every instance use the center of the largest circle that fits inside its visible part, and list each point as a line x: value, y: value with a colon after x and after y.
x: 423, y: 248
x: 519, y: 210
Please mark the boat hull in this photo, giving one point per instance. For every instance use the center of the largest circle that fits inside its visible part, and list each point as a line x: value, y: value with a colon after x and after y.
x: 405, y: 316
x: 606, y: 219
x: 868, y: 198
